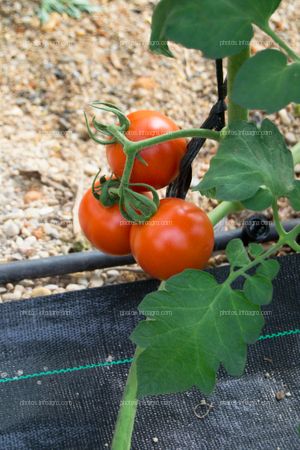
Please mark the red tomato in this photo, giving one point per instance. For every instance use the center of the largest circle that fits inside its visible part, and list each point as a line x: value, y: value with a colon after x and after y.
x: 179, y: 236
x: 163, y: 159
x: 104, y: 227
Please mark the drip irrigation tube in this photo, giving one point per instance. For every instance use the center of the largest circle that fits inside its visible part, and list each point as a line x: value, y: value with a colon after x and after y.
x: 92, y: 260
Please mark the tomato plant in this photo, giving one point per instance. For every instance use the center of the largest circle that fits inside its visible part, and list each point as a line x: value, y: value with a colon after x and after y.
x: 179, y: 236
x: 252, y: 169
x: 161, y: 161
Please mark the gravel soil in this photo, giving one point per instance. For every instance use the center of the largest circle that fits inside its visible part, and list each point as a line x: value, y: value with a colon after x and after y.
x: 49, y: 74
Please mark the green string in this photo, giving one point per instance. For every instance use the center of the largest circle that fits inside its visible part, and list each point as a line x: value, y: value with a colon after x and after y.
x: 279, y: 334
x: 121, y: 361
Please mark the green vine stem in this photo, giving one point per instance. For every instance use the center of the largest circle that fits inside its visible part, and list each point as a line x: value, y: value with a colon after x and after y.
x: 279, y: 228
x: 127, y: 411
x: 276, y: 38
x: 222, y: 210
x: 235, y: 112
x: 193, y: 132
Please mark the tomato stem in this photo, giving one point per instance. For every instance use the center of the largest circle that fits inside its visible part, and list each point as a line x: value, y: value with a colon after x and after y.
x: 127, y: 411
x: 222, y: 210
x: 276, y: 38
x: 193, y: 132
x: 279, y: 228
x: 235, y: 112
x: 242, y: 272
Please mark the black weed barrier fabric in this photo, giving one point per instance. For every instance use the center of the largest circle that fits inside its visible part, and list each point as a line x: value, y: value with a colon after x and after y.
x: 77, y: 409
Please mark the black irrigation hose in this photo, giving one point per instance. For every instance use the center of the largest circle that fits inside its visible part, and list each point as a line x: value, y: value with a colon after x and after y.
x: 256, y: 229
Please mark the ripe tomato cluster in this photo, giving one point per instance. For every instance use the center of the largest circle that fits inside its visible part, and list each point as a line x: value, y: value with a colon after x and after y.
x: 179, y: 235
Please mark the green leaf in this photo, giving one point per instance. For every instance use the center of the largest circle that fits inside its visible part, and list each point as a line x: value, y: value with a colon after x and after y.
x: 269, y: 268
x: 258, y: 289
x: 294, y: 196
x: 219, y: 29
x: 236, y: 253
x: 263, y: 199
x: 267, y: 82
x: 248, y: 158
x: 193, y: 326
x: 255, y: 249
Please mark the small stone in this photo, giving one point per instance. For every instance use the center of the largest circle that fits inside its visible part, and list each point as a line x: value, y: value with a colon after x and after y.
x: 20, y: 101
x: 18, y: 291
x: 52, y: 23
x: 80, y: 32
x: 90, y: 169
x: 291, y: 138
x: 51, y: 231
x: 15, y: 111
x: 51, y: 287
x: 96, y: 282
x: 112, y: 273
x: 32, y: 196
x: 38, y: 232
x: 280, y: 395
x: 83, y: 281
x: 288, y: 394
x: 284, y: 117
x: 155, y: 439
x: 19, y: 373
x: 27, y: 283
x: 9, y: 296
x: 9, y: 286
x: 144, y: 83
x: 40, y: 291
x: 11, y: 229
x: 45, y: 211
x: 74, y: 287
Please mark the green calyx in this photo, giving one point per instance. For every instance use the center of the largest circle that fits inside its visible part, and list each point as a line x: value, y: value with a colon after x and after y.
x: 137, y: 207
x: 134, y: 206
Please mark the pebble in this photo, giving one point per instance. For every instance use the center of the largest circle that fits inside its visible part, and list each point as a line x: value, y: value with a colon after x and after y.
x: 18, y: 291
x: 96, y: 282
x: 74, y: 287
x: 27, y: 283
x: 280, y: 395
x: 11, y: 229
x: 284, y: 117
x: 32, y: 196
x: 51, y: 231
x: 83, y: 281
x: 40, y: 291
x: 9, y: 296
x: 291, y: 138
x: 24, y: 245
x: 112, y: 273
x: 51, y: 287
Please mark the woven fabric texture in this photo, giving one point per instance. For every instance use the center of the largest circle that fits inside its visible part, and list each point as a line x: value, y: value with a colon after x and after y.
x: 77, y: 409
